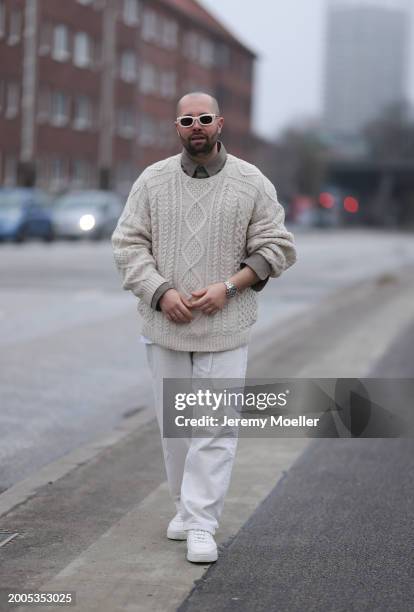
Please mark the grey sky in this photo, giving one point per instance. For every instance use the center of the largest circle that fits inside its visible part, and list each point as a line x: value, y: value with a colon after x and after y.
x: 289, y: 38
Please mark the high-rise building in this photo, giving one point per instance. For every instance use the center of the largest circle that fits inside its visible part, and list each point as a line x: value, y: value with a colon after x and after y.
x: 88, y: 88
x: 366, y: 64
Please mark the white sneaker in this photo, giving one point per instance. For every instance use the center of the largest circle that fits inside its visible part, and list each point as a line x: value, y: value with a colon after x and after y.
x: 201, y: 546
x: 175, y: 530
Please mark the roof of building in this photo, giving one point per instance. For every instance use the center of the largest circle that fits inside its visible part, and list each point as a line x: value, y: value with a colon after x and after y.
x: 195, y: 11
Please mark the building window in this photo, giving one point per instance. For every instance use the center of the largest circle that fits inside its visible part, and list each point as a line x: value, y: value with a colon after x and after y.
x: 148, y: 82
x: 58, y: 174
x: 83, y: 113
x: 147, y: 133
x: 128, y: 68
x: 85, y: 2
x: 82, y: 55
x: 169, y: 34
x: 60, y: 108
x: 168, y: 85
x: 45, y: 38
x: 60, y: 49
x: 191, y: 46
x: 43, y: 109
x: 222, y: 55
x: 150, y: 26
x: 130, y: 13
x: 126, y: 123
x: 81, y: 173
x: 206, y: 53
x: 12, y: 100
x: 15, y: 27
x: 2, y: 19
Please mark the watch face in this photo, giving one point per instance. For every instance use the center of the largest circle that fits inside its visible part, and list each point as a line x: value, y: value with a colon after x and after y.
x: 231, y: 290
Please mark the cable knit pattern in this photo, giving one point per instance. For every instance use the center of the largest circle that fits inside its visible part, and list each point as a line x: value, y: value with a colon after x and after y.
x: 192, y: 233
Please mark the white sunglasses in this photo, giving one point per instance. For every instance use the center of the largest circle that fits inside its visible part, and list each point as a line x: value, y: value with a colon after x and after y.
x: 188, y: 121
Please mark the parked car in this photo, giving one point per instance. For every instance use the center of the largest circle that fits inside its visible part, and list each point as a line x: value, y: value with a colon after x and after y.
x: 25, y: 212
x: 90, y: 213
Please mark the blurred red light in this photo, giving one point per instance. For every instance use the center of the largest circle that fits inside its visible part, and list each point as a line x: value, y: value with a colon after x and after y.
x: 326, y: 199
x: 351, y: 205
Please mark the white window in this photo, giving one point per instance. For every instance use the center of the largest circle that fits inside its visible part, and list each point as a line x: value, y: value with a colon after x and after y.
x: 82, y: 55
x: 60, y: 108
x: 169, y: 34
x: 150, y: 26
x: 191, y: 46
x: 12, y: 100
x: 147, y: 133
x: 85, y: 2
x: 206, y: 57
x: 126, y: 123
x: 128, y: 70
x: 15, y: 27
x: 60, y: 49
x: 2, y: 19
x: 81, y: 173
x: 58, y: 174
x: 148, y: 82
x: 168, y: 85
x: 83, y: 113
x: 45, y: 38
x: 222, y: 53
x: 43, y: 108
x: 130, y: 13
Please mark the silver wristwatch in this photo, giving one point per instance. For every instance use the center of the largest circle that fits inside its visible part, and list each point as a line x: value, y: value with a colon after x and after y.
x: 231, y: 289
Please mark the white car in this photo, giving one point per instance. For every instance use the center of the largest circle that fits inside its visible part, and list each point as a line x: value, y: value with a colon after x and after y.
x: 86, y: 214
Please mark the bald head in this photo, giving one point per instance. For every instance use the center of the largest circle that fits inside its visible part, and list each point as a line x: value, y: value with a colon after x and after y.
x: 189, y: 104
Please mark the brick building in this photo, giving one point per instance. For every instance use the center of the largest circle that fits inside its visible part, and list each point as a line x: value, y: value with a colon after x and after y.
x: 88, y: 87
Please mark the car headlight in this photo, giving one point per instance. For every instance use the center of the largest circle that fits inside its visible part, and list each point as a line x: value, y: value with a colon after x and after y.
x: 87, y: 222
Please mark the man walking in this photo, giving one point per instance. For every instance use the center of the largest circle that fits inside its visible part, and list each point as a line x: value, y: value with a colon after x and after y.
x: 200, y: 234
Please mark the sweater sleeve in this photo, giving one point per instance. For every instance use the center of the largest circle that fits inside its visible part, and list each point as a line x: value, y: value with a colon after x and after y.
x: 132, y: 246
x: 267, y: 234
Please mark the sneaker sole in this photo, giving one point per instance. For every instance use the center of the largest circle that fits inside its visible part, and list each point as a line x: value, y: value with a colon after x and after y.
x: 176, y: 535
x: 202, y: 557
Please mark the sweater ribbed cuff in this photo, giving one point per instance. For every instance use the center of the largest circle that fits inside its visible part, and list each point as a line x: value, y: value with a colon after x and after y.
x: 259, y: 265
x: 148, y: 287
x: 158, y: 294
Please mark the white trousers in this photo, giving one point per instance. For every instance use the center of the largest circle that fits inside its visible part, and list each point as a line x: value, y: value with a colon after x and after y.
x: 198, y: 469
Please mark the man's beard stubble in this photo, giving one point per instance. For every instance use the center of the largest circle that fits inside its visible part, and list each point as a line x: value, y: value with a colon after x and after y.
x: 205, y: 149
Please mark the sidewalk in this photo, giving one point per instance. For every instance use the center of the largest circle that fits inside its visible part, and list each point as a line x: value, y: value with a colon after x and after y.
x: 98, y: 528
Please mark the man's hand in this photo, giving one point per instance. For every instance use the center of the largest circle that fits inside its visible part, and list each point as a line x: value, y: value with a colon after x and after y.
x: 175, y: 306
x: 210, y: 299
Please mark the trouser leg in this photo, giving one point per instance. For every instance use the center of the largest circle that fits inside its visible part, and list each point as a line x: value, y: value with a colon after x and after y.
x: 167, y: 363
x: 209, y: 461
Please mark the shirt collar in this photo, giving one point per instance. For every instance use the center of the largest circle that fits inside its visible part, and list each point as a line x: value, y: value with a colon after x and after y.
x: 212, y: 167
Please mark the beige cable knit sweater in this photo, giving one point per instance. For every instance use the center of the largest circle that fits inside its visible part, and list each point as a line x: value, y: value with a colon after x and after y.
x: 193, y: 233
